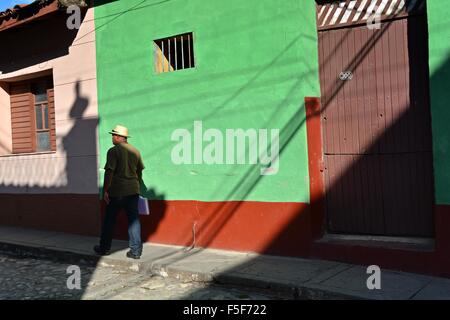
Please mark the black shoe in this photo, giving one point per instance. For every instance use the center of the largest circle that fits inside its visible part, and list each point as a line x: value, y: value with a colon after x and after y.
x: 132, y: 255
x: 100, y: 251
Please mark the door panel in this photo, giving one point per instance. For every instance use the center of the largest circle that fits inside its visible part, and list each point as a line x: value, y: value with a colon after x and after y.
x: 377, y: 128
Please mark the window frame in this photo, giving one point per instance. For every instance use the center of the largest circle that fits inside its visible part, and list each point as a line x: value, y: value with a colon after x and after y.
x: 46, y: 82
x: 163, y: 63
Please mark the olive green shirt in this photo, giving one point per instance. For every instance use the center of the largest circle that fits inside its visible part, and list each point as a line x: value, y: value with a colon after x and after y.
x: 123, y: 170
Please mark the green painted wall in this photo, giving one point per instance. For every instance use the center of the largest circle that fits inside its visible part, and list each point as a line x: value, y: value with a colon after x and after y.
x: 439, y: 46
x: 256, y: 60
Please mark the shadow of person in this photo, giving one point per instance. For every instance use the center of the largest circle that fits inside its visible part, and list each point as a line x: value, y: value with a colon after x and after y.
x: 80, y: 146
x: 157, y: 210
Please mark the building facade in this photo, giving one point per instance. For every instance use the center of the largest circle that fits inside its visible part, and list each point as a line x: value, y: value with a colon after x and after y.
x: 48, y: 136
x: 305, y: 129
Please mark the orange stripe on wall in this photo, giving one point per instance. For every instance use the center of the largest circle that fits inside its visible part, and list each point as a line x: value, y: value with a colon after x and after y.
x: 264, y: 227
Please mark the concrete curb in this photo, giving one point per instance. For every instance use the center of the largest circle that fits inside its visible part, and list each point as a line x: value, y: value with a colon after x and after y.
x: 284, y: 290
x: 292, y: 290
x: 47, y: 253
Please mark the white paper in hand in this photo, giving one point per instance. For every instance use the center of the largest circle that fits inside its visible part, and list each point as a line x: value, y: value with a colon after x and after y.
x: 143, y: 206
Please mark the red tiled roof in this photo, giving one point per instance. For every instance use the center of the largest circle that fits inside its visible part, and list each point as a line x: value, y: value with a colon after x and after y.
x: 23, y: 13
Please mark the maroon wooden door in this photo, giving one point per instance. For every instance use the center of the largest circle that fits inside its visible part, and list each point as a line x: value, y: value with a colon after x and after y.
x: 376, y: 121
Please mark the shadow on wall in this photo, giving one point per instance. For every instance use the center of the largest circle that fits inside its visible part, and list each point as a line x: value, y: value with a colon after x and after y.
x: 55, y: 208
x: 35, y: 48
x: 406, y: 185
x: 298, y: 235
x: 300, y: 227
x: 48, y: 181
x: 369, y: 203
x: 157, y: 208
x: 43, y: 204
x: 80, y: 143
x: 395, y: 258
x: 440, y: 97
x: 220, y: 214
x: 408, y: 171
x: 418, y: 159
x: 397, y: 162
x: 65, y: 181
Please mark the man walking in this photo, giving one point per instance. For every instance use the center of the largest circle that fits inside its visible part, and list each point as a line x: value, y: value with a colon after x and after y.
x: 121, y: 187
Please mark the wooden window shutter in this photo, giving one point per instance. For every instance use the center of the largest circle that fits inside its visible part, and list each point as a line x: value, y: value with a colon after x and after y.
x: 22, y: 118
x: 51, y: 115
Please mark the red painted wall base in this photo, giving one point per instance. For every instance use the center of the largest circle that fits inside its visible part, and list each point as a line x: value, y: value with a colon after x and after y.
x: 71, y: 213
x: 434, y: 262
x: 283, y: 229
x: 273, y: 228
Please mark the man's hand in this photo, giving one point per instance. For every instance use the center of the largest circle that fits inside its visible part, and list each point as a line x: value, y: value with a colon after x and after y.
x: 106, y: 197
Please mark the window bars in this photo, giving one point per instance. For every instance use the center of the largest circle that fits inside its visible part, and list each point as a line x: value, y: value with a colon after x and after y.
x: 174, y: 53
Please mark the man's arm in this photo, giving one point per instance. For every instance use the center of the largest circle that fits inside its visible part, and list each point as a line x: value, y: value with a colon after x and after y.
x: 106, y: 184
x: 108, y: 180
x: 109, y: 173
x: 139, y: 169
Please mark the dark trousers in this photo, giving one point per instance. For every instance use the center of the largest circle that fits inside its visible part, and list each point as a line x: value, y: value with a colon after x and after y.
x: 130, y: 205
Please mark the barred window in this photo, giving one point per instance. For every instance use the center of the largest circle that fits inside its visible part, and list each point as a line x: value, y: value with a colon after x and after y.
x: 174, y: 53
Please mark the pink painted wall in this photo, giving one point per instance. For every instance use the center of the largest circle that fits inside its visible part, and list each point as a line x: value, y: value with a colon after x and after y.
x: 5, y: 120
x: 70, y: 57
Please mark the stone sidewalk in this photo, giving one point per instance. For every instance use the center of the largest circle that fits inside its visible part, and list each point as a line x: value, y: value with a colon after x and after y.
x: 290, y: 277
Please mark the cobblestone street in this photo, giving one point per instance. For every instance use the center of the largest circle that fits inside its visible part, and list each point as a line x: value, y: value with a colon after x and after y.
x: 27, y: 278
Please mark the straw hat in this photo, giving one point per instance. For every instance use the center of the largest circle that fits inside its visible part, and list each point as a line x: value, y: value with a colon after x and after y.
x: 120, y: 131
